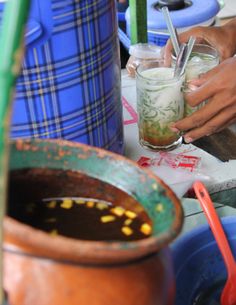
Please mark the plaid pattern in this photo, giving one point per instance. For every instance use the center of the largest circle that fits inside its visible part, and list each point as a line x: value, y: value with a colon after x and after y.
x: 70, y: 84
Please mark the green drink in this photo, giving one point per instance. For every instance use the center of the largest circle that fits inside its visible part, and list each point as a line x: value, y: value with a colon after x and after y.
x: 203, y: 58
x: 159, y: 103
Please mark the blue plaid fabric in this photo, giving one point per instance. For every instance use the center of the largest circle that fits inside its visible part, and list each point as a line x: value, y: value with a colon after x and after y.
x: 70, y: 83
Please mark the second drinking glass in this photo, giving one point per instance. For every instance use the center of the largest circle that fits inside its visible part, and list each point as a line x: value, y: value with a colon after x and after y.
x: 202, y: 59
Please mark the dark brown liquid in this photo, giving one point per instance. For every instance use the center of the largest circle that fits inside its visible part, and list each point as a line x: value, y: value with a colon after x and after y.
x: 97, y: 211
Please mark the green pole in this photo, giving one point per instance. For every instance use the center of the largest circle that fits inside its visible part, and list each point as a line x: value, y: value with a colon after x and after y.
x: 138, y: 21
x: 11, y: 52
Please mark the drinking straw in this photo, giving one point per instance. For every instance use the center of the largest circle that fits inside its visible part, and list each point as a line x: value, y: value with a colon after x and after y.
x: 171, y: 29
x: 11, y: 51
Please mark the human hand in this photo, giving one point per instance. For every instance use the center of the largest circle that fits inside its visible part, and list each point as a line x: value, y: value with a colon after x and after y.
x: 218, y: 86
x: 222, y: 38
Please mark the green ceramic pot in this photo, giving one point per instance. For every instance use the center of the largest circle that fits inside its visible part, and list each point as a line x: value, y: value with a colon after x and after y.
x: 118, y: 273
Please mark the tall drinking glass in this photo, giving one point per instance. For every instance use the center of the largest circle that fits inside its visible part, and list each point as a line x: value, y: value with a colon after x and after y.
x: 202, y: 59
x: 159, y: 102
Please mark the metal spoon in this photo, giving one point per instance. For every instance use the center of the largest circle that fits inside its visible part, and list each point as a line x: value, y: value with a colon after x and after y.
x: 171, y: 29
x: 183, y: 57
x: 189, y: 51
x: 228, y: 296
x: 180, y: 60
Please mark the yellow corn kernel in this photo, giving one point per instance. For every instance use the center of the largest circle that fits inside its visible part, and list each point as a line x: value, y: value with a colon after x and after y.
x: 146, y: 229
x: 107, y: 218
x: 80, y: 201
x: 130, y: 214
x: 66, y: 204
x: 51, y: 204
x: 118, y: 211
x: 53, y: 233
x: 101, y: 205
x: 155, y: 186
x: 127, y: 231
x: 90, y: 204
x: 159, y: 207
x: 128, y: 222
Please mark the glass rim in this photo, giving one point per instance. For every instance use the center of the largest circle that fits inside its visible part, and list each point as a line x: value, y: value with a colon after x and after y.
x: 204, y: 46
x: 171, y: 80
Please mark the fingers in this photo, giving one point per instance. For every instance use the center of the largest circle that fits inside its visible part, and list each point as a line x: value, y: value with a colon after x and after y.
x: 207, y: 85
x: 212, y: 83
x: 203, y: 90
x: 220, y: 111
x: 209, y: 119
x: 203, y: 78
x: 195, y: 32
x: 183, y: 37
x: 216, y: 124
x: 227, y: 124
x: 215, y: 36
x: 198, y: 118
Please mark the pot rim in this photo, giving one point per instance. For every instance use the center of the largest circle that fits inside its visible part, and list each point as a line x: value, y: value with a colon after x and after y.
x: 22, y: 238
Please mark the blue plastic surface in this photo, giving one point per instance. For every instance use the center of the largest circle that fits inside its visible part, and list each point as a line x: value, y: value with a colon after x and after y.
x: 34, y: 32
x: 40, y: 23
x: 198, y: 262
x: 200, y: 11
x: 70, y: 85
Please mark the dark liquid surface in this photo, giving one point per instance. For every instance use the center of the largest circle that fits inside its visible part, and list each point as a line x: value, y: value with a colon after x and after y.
x: 211, y: 296
x: 75, y: 206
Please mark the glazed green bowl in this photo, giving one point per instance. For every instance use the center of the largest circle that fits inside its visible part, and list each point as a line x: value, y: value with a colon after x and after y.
x: 100, y: 174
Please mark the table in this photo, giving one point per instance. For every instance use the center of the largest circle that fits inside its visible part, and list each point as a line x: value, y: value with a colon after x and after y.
x: 222, y: 175
x: 221, y: 181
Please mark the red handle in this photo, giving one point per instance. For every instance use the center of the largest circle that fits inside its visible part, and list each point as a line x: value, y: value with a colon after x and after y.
x: 215, y: 224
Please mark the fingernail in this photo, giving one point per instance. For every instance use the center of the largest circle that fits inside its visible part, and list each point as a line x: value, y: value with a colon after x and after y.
x: 188, y: 140
x: 192, y: 87
x: 191, y: 81
x: 201, y: 75
x: 174, y: 129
